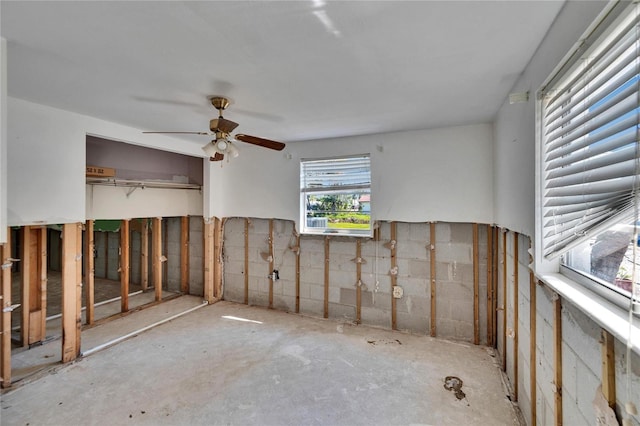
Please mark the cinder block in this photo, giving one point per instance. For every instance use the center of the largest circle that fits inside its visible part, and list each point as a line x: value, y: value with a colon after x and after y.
x: 412, y: 323
x: 316, y: 292
x: 381, y: 301
x: 288, y: 288
x: 347, y: 296
x: 419, y: 232
x: 443, y: 233
x: 337, y: 310
x: 284, y: 303
x: 376, y: 317
x: 569, y: 372
x: 334, y: 294
x: 462, y: 233
x: 312, y: 307
x: 258, y: 299
x: 415, y: 287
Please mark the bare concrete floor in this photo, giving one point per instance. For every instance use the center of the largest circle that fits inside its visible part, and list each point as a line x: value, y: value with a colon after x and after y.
x: 233, y: 364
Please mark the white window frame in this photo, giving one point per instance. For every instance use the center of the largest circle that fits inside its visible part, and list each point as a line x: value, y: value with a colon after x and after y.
x: 549, y: 268
x: 338, y: 187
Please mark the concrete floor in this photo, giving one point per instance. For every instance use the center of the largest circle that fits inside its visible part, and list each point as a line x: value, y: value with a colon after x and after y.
x: 233, y: 364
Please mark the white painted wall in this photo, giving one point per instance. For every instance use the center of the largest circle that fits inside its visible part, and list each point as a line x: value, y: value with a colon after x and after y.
x: 515, y: 126
x: 440, y: 174
x: 3, y: 140
x: 46, y: 148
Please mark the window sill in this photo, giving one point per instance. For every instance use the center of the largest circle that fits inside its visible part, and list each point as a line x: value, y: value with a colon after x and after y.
x: 606, y: 314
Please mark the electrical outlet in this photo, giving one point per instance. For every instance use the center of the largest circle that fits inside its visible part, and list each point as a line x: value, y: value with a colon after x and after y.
x: 397, y: 292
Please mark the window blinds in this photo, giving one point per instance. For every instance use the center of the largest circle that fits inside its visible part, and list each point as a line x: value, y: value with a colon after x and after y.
x: 590, y: 139
x: 335, y: 174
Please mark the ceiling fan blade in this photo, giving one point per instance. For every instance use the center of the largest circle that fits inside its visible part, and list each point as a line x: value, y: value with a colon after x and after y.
x: 266, y: 143
x: 217, y: 157
x: 221, y: 124
x: 182, y: 133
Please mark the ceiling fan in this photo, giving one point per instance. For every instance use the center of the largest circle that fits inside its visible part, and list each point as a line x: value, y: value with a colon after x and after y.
x: 221, y: 129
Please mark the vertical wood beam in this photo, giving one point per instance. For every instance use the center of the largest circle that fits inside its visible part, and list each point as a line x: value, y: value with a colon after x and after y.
x: 608, y: 368
x: 42, y: 276
x: 144, y: 255
x: 25, y: 257
x: 394, y: 276
x: 557, y: 357
x: 217, y: 259
x: 71, y: 291
x: 432, y: 272
x: 78, y: 296
x: 89, y: 271
x: 516, y: 268
x: 124, y: 265
x: 184, y: 254
x: 209, y: 228
x: 246, y: 261
x: 476, y: 287
x: 359, y: 281
x: 496, y: 278
x: 489, y: 285
x: 532, y: 347
x: 271, y: 264
x: 5, y: 314
x: 298, y: 274
x: 156, y: 257
x: 326, y: 277
x: 504, y: 299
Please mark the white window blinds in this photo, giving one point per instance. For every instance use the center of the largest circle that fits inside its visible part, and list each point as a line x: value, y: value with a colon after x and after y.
x: 335, y: 174
x: 590, y: 118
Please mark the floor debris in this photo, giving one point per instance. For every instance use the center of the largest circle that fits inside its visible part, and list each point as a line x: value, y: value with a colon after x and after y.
x: 452, y: 383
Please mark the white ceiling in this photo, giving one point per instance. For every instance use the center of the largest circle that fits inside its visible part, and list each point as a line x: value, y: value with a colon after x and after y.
x: 294, y: 70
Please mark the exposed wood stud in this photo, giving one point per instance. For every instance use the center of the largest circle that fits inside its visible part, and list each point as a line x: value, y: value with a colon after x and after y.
x: 217, y: 259
x: 34, y: 284
x: 532, y: 346
x: 246, y: 261
x: 71, y: 291
x: 394, y: 276
x: 156, y: 255
x: 504, y: 299
x: 608, y: 368
x: 124, y: 264
x: 271, y: 264
x: 78, y: 296
x: 516, y: 268
x: 26, y: 267
x: 432, y: 272
x: 557, y: 355
x: 184, y: 254
x: 5, y: 316
x: 298, y: 274
x: 494, y: 284
x: 476, y: 286
x: 326, y: 277
x: 89, y: 271
x: 208, y: 235
x: 144, y: 255
x: 358, y: 281
x: 489, y: 285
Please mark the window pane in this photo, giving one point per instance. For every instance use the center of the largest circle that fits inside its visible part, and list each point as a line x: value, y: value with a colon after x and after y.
x: 611, y: 257
x: 338, y: 212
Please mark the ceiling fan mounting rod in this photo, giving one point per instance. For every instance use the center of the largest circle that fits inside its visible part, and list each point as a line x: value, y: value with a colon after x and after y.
x: 220, y: 103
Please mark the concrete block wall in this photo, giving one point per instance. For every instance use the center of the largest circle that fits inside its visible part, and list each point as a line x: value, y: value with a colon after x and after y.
x: 580, y: 345
x: 454, y: 254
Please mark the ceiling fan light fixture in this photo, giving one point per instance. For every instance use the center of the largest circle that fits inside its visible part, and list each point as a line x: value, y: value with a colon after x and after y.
x: 232, y: 150
x: 210, y: 149
x: 222, y: 145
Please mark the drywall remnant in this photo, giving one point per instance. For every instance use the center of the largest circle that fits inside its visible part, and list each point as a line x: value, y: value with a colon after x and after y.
x: 453, y: 383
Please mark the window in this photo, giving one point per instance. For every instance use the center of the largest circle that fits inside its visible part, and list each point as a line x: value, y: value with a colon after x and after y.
x: 590, y: 163
x: 335, y: 195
